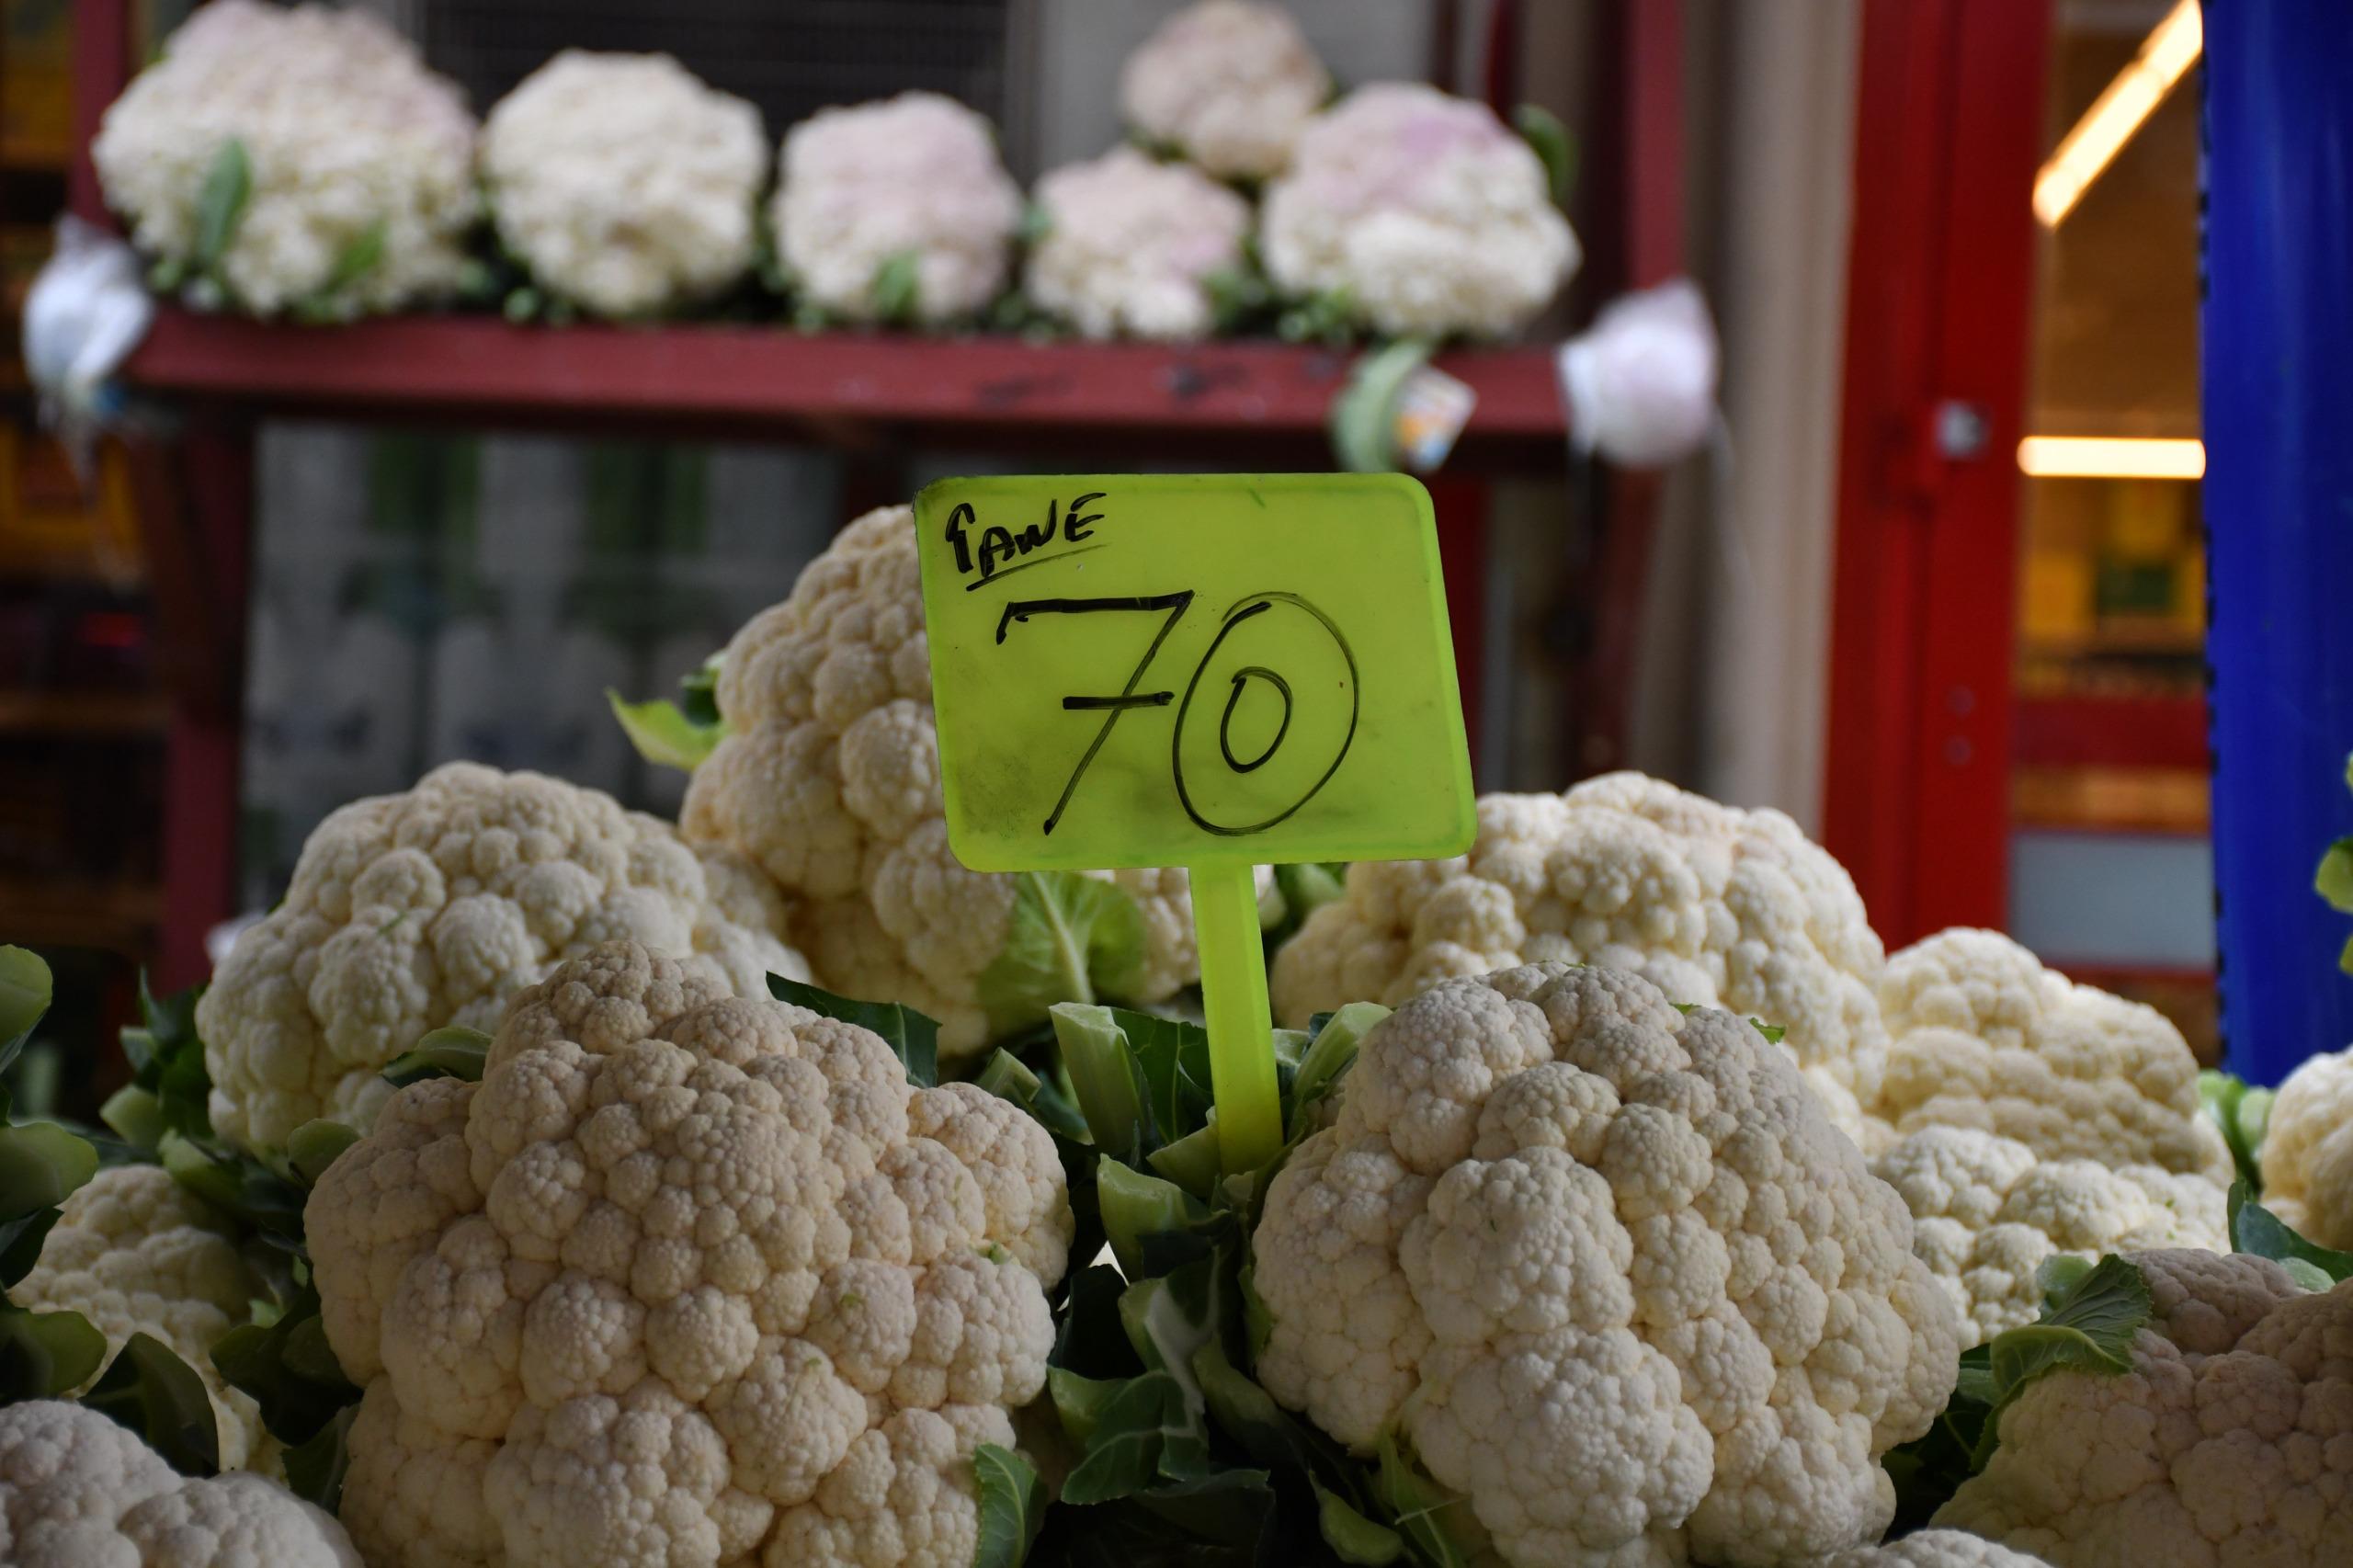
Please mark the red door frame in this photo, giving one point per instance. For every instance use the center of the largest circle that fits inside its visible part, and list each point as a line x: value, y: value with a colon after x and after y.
x: 1949, y: 129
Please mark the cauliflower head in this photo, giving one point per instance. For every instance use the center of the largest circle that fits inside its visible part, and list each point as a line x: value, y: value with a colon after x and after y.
x: 77, y: 1491
x: 1980, y: 1035
x: 2308, y: 1151
x: 1714, y: 904
x: 2225, y: 1445
x: 1129, y: 244
x: 135, y: 1253
x: 351, y: 142
x: 1987, y: 1213
x: 624, y: 183
x: 828, y: 780
x: 436, y: 906
x: 1612, y: 1272
x: 916, y: 178
x: 1424, y: 211
x: 1229, y: 84
x: 686, y: 1278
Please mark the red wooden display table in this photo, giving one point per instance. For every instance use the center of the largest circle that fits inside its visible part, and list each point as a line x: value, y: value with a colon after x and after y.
x: 765, y: 379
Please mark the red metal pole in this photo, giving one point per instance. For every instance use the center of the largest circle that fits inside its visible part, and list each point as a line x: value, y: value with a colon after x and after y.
x: 1646, y: 173
x: 1653, y: 62
x: 101, y: 66
x: 1461, y: 504
x: 195, y: 501
x: 1948, y: 132
x: 1499, y: 71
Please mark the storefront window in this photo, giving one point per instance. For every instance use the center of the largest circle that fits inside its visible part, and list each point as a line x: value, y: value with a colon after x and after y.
x: 2111, y: 872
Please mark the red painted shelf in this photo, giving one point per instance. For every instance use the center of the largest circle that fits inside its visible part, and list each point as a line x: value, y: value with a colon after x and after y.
x: 2111, y: 732
x: 840, y: 387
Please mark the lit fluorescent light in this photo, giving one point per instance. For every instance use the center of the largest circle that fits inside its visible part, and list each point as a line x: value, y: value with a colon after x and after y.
x: 2169, y: 51
x: 2104, y: 457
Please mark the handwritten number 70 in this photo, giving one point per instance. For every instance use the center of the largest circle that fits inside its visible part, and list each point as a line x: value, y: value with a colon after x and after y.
x: 1113, y: 707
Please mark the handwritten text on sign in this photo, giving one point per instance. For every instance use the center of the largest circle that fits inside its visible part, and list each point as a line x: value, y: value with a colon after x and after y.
x: 1165, y: 670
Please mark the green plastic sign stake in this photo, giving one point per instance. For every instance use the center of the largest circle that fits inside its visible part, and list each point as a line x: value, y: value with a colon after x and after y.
x: 1213, y: 671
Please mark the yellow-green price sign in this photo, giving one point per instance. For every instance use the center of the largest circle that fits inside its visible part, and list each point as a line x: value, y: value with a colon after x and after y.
x: 1208, y: 671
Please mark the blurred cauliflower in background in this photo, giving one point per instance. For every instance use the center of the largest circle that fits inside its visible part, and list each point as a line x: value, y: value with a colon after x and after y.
x: 1229, y: 84
x: 1422, y: 213
x: 1129, y: 244
x: 434, y: 907
x: 896, y: 210
x: 294, y: 157
x: 624, y: 183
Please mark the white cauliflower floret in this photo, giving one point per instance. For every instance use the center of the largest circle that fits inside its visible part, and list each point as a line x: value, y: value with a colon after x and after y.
x: 624, y: 183
x: 1229, y: 84
x: 1932, y: 1549
x: 2225, y: 1445
x: 346, y: 135
x: 829, y: 781
x: 1714, y: 904
x: 1612, y: 1271
x: 77, y: 1491
x: 686, y: 1278
x: 1129, y: 245
x: 134, y: 1253
x: 1986, y: 1214
x: 2308, y: 1151
x: 915, y: 176
x: 436, y: 906
x: 1424, y: 211
x: 1980, y: 1035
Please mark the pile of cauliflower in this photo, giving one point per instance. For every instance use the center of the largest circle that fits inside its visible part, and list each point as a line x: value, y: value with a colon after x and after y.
x: 304, y: 159
x: 1485, y: 1254
x: 2021, y: 1116
x: 360, y: 160
x: 695, y: 1275
x: 1654, y: 1217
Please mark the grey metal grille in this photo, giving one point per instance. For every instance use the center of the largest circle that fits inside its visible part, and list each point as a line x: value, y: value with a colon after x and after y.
x: 789, y: 57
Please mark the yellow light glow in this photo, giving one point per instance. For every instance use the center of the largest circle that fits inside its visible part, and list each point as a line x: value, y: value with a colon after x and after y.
x: 2171, y: 48
x: 2109, y: 457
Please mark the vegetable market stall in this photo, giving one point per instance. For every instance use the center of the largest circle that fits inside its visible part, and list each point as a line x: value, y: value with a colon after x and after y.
x: 873, y: 397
